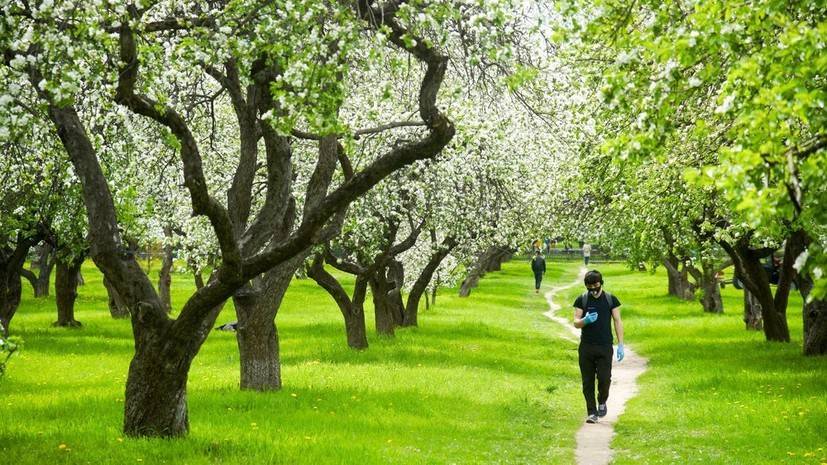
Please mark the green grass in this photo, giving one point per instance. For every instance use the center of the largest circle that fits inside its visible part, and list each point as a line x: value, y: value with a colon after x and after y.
x: 482, y: 380
x: 715, y: 393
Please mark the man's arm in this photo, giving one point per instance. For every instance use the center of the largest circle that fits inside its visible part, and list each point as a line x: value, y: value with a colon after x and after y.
x: 578, y: 318
x: 618, y: 324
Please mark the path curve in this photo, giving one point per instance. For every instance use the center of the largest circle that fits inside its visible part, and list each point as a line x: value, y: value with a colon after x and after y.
x: 594, y: 440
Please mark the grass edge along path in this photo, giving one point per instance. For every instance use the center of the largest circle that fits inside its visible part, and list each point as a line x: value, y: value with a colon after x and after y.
x: 480, y: 382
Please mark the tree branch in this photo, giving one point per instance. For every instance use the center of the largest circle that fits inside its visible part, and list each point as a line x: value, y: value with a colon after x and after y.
x: 194, y: 179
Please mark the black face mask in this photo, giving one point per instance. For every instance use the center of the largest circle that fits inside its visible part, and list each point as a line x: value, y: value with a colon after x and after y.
x: 595, y: 291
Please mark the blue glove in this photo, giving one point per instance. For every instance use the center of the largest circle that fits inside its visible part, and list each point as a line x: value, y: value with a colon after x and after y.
x: 620, y: 353
x: 589, y: 318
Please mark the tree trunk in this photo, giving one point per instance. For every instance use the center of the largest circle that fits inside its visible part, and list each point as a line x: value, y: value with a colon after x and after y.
x: 156, y: 392
x: 711, y: 290
x: 80, y: 280
x: 496, y: 257
x: 11, y: 289
x: 752, y: 312
x: 382, y: 306
x: 66, y: 291
x: 45, y: 264
x: 420, y: 286
x: 199, y: 279
x: 353, y: 310
x: 117, y: 307
x: 815, y: 319
x: 395, y: 279
x: 487, y: 260
x: 165, y: 275
x: 258, y: 345
x: 257, y: 335
x: 679, y: 285
x: 471, y: 281
x: 751, y: 272
x: 10, y: 293
x: 815, y: 327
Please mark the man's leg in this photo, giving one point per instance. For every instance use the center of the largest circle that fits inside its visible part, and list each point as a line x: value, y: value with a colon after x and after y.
x: 587, y: 371
x: 538, y: 278
x: 603, y: 362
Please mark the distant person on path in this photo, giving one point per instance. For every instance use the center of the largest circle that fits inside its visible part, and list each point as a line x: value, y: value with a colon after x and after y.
x: 592, y: 311
x: 538, y: 266
x: 587, y: 252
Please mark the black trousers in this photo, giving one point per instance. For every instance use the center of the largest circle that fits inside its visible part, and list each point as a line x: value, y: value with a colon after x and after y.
x: 595, y: 361
x: 538, y: 277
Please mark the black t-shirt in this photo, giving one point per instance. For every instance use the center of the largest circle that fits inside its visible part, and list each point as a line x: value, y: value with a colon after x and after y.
x: 599, y: 332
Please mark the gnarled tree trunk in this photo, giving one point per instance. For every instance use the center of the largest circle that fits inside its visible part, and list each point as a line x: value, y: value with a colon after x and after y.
x: 257, y: 335
x: 753, y: 319
x: 749, y: 269
x: 711, y: 290
x: 11, y: 264
x: 353, y: 310
x: 477, y: 271
x: 45, y: 264
x: 815, y: 319
x: 421, y: 284
x: 165, y: 274
x: 117, y: 307
x: 678, y: 275
x: 66, y: 291
x: 383, y: 307
x: 10, y: 292
x: 156, y: 389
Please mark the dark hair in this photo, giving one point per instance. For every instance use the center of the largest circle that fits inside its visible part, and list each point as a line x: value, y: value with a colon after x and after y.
x: 593, y: 277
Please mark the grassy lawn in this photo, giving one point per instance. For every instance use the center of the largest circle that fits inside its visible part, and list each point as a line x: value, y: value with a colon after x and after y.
x: 715, y: 393
x: 483, y: 380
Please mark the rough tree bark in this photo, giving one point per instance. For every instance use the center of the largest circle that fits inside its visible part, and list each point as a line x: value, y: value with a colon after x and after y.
x: 66, y: 291
x: 751, y: 272
x: 383, y: 307
x: 352, y: 309
x: 386, y: 289
x: 815, y: 319
x: 11, y: 264
x: 678, y: 275
x: 482, y: 264
x: 421, y: 284
x: 118, y: 309
x: 257, y: 336
x: 711, y: 290
x: 706, y: 280
x: 753, y: 319
x: 165, y: 274
x: 45, y: 264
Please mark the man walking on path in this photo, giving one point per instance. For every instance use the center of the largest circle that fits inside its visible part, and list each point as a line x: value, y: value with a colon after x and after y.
x: 587, y: 252
x: 538, y: 266
x: 592, y: 311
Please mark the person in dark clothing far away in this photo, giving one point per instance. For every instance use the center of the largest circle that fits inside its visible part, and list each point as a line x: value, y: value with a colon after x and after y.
x: 538, y: 266
x: 592, y: 311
